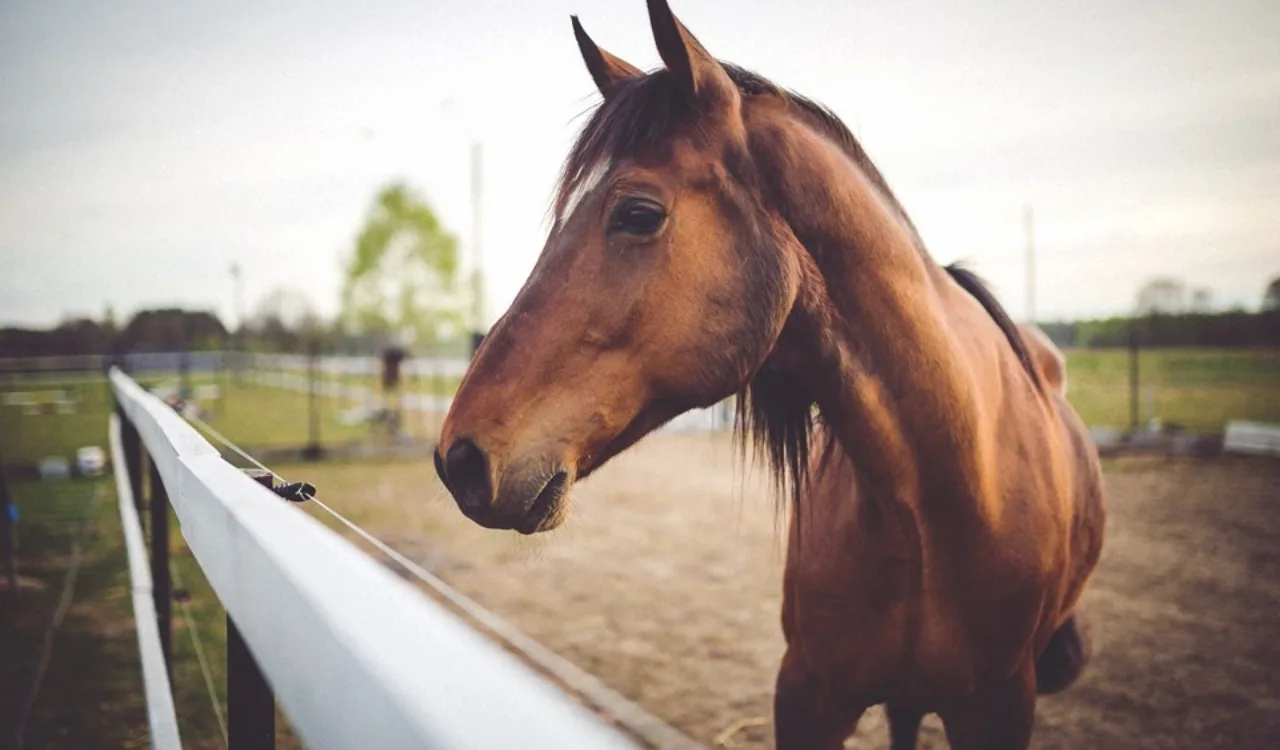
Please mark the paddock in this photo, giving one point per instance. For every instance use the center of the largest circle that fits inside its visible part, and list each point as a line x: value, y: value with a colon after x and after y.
x: 665, y: 583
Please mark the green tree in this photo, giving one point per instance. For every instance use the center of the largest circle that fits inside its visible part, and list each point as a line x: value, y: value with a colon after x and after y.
x: 402, y: 281
x: 1271, y: 298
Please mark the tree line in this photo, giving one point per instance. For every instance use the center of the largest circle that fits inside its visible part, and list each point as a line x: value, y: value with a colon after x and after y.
x: 1236, y: 329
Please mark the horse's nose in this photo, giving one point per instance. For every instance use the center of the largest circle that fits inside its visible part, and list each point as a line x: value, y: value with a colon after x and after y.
x: 465, y: 472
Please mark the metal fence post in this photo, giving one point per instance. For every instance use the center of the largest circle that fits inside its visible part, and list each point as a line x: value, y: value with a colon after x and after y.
x: 162, y: 591
x: 251, y: 706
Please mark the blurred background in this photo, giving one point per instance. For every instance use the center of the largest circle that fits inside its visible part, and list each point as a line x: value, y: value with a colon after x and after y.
x: 294, y: 220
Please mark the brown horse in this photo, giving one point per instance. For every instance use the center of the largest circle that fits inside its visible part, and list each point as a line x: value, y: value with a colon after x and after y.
x: 715, y: 234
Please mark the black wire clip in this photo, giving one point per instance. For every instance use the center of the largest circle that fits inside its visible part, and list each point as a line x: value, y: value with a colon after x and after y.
x: 296, y: 492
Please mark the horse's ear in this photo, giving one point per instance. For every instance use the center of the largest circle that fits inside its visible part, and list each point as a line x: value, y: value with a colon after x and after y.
x: 606, y: 70
x: 697, y: 71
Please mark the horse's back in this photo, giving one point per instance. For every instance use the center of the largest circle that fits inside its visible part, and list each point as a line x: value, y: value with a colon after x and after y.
x: 1048, y: 358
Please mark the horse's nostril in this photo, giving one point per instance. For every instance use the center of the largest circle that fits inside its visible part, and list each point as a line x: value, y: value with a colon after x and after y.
x: 466, y: 474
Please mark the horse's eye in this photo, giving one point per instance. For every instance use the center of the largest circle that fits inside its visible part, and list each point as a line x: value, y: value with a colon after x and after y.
x: 637, y: 216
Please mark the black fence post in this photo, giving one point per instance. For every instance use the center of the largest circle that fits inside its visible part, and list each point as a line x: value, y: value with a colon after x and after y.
x: 251, y: 706
x: 162, y: 590
x: 131, y: 443
x: 9, y: 539
x: 313, y: 451
x: 1133, y: 375
x: 184, y: 375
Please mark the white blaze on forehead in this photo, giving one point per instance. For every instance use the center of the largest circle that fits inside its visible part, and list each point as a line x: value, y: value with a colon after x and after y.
x: 590, y: 181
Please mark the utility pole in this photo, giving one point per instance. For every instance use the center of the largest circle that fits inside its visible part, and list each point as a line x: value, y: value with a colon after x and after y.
x: 238, y: 337
x: 477, y: 274
x: 1031, y: 264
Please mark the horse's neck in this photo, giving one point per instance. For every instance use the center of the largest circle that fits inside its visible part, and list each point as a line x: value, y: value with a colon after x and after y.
x: 889, y: 376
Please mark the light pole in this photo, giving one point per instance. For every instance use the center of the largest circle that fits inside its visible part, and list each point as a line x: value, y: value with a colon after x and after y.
x: 1031, y: 264
x: 449, y: 106
x: 238, y: 337
x: 477, y: 273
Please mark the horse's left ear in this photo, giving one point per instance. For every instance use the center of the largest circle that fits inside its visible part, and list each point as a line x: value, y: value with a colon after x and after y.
x: 606, y: 70
x: 698, y: 72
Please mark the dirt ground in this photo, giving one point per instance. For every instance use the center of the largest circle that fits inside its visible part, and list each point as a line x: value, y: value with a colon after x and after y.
x: 665, y: 583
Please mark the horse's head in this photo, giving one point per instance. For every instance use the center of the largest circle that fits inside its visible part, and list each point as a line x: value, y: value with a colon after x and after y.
x: 662, y: 287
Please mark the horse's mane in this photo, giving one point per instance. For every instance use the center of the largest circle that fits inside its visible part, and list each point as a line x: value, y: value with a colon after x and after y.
x: 641, y: 113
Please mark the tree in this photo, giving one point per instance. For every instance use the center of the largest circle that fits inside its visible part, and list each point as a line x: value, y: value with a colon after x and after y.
x: 1201, y: 300
x: 402, y: 282
x: 172, y: 330
x: 1162, y: 296
x: 284, y: 320
x: 1271, y: 298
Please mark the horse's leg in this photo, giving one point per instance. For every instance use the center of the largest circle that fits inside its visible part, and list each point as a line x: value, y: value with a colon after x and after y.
x: 807, y: 715
x: 904, y: 726
x: 996, y: 716
x: 1065, y: 656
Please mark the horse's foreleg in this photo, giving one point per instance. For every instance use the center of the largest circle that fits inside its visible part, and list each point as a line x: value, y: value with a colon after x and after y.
x: 996, y: 716
x: 904, y: 726
x: 807, y: 714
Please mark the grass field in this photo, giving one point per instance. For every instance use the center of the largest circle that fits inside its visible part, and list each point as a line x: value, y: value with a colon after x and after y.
x: 1199, y: 388
x: 91, y: 695
x: 254, y: 416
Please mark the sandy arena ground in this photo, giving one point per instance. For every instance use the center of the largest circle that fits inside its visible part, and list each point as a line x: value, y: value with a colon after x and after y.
x: 665, y: 583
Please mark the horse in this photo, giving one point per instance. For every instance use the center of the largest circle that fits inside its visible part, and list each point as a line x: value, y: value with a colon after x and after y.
x: 714, y: 234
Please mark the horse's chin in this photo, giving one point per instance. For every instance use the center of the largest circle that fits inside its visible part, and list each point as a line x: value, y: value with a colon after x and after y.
x: 550, y: 509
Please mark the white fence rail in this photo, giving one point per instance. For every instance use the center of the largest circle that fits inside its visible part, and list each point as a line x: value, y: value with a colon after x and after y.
x: 356, y: 657
x: 161, y: 718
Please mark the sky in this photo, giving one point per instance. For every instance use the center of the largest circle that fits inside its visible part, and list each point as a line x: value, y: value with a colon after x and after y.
x: 147, y: 146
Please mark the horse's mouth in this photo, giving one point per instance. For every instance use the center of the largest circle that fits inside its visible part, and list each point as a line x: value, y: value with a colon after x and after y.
x: 546, y: 513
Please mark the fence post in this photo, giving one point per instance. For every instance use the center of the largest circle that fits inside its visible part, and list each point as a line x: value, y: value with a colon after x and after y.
x: 162, y: 591
x: 1133, y: 375
x: 313, y: 451
x: 131, y: 443
x: 251, y: 706
x: 9, y: 539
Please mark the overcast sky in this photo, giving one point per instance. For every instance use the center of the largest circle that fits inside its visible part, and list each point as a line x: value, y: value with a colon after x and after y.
x: 145, y: 146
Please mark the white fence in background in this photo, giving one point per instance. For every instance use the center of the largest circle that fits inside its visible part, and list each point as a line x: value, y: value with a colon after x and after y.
x: 291, y: 372
x: 1253, y: 438
x: 356, y: 657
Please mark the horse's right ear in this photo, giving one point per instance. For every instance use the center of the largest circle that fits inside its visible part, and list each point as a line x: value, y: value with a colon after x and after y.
x: 606, y: 70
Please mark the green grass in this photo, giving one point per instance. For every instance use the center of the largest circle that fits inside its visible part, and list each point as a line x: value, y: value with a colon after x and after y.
x: 1199, y: 388
x: 91, y: 694
x: 254, y: 416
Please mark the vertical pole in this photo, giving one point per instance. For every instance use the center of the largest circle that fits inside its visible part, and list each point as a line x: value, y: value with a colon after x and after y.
x: 1031, y: 265
x: 161, y: 588
x: 9, y: 537
x: 313, y: 449
x: 1133, y: 374
x: 132, y: 445
x: 251, y: 706
x: 184, y: 374
x: 477, y: 277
